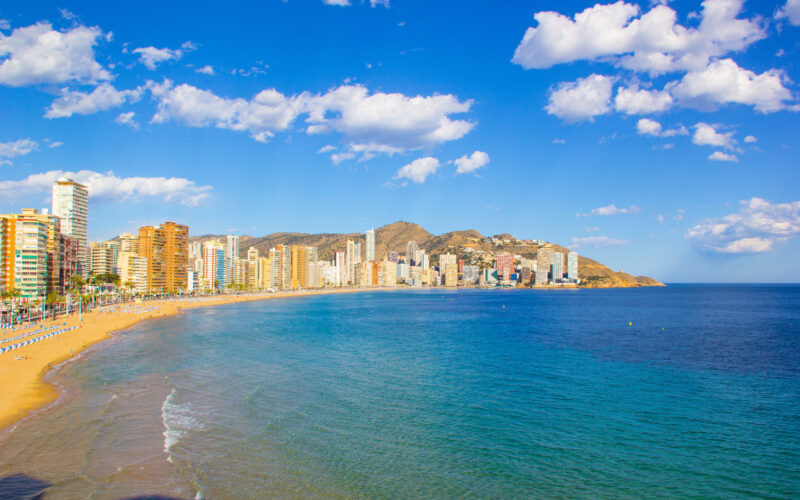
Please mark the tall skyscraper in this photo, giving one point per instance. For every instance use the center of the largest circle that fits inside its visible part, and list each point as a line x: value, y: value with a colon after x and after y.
x: 370, y: 237
x: 558, y: 266
x: 231, y: 254
x: 71, y: 204
x: 349, y: 263
x: 151, y: 248
x: 176, y: 256
x: 299, y: 267
x: 213, y: 265
x: 411, y: 253
x: 572, y: 266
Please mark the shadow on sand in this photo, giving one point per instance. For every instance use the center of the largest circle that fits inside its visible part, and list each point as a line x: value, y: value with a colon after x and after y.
x: 20, y: 486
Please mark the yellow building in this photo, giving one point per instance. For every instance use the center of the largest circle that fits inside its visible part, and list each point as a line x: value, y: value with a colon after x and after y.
x: 451, y: 274
x: 299, y: 267
x: 132, y: 270
x: 264, y: 273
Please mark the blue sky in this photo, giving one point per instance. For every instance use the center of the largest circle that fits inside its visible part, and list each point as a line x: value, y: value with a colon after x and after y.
x: 657, y: 137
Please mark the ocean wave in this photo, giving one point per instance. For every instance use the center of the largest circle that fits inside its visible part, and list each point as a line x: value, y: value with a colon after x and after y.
x: 178, y: 420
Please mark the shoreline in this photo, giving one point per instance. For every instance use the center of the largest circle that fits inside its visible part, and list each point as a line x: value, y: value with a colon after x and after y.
x: 23, y: 383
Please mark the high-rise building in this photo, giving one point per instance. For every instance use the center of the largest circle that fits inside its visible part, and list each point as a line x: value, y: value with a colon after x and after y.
x: 24, y: 253
x: 253, y: 269
x: 103, y: 257
x: 276, y: 267
x: 370, y: 237
x: 572, y: 266
x: 558, y: 267
x: 299, y: 267
x: 313, y: 275
x: 69, y: 265
x: 444, y: 259
x: 231, y: 254
x: 151, y: 247
x: 71, y: 205
x: 213, y: 265
x: 411, y: 253
x: 130, y: 243
x: 264, y: 273
x: 450, y: 274
x: 350, y: 263
x: 132, y: 272
x: 20, y: 252
x: 505, y: 265
x: 339, y: 264
x: 176, y: 256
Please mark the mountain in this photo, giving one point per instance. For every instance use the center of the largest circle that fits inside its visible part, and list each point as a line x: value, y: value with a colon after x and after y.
x: 395, y: 237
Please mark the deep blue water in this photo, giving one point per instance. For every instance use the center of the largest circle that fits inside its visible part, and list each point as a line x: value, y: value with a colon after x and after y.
x: 687, y: 391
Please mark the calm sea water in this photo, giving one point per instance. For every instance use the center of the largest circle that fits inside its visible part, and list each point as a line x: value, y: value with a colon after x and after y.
x: 684, y: 391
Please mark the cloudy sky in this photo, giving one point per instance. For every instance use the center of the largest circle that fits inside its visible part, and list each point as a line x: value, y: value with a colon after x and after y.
x: 659, y: 137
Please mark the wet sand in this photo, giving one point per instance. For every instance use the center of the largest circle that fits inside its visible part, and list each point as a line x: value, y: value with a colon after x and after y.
x: 23, y: 388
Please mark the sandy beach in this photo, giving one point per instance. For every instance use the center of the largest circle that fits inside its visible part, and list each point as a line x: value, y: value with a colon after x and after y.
x: 22, y: 383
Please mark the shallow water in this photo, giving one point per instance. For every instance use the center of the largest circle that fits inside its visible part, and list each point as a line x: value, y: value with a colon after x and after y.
x: 437, y: 394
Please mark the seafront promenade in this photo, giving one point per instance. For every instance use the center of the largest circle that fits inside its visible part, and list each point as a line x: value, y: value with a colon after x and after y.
x: 22, y: 370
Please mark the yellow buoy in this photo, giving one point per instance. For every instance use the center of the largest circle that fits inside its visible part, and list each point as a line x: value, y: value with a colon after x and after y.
x: 630, y: 323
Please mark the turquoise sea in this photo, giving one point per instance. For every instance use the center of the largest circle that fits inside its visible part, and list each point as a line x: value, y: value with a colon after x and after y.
x: 684, y: 391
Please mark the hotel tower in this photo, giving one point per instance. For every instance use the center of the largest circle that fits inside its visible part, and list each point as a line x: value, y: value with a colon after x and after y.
x: 71, y: 204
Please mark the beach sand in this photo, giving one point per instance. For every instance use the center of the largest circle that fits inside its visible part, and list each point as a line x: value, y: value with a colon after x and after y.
x: 22, y: 385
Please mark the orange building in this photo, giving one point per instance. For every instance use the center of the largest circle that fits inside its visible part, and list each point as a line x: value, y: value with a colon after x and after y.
x: 166, y: 249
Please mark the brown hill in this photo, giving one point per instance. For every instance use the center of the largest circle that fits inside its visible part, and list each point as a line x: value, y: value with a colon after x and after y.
x: 395, y: 237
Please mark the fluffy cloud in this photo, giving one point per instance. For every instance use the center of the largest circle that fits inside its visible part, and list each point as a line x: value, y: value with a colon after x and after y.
x: 651, y: 42
x: 720, y: 156
x: 340, y: 3
x: 206, y: 70
x: 646, y: 126
x: 635, y: 101
x: 377, y: 123
x: 39, y: 54
x: 106, y: 185
x: 151, y: 57
x: 467, y: 164
x: 267, y: 112
x: 754, y: 229
x: 418, y: 170
x: 103, y: 97
x: 790, y: 11
x: 612, y: 210
x: 706, y: 135
x: 582, y: 99
x: 723, y: 82
x: 597, y: 242
x: 750, y: 139
x: 20, y: 147
x: 127, y: 119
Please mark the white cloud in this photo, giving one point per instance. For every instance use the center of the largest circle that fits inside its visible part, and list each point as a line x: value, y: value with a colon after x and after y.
x: 790, y: 11
x: 636, y: 101
x: 38, y: 54
x: 582, y: 99
x: 646, y: 126
x: 754, y: 229
x: 591, y: 229
x: 612, y: 210
x: 127, y: 119
x: 103, y: 97
x: 377, y: 123
x: 338, y: 158
x: 651, y: 42
x: 151, y: 57
x: 386, y: 123
x: 659, y: 218
x: 597, y: 242
x: 20, y: 147
x: 55, y: 144
x: 720, y: 156
x: 706, y: 135
x: 206, y: 70
x: 559, y: 141
x: 750, y: 139
x: 724, y: 82
x: 340, y: 3
x: 326, y: 149
x: 4, y: 24
x: 375, y: 3
x: 418, y: 170
x: 467, y: 164
x: 107, y: 186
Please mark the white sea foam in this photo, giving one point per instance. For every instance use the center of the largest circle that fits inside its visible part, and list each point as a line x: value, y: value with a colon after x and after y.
x: 178, y: 420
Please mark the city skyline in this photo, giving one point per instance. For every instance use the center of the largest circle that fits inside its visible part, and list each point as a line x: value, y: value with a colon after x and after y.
x: 488, y: 127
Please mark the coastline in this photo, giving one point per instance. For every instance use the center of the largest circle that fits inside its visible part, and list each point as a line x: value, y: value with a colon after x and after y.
x: 23, y: 383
